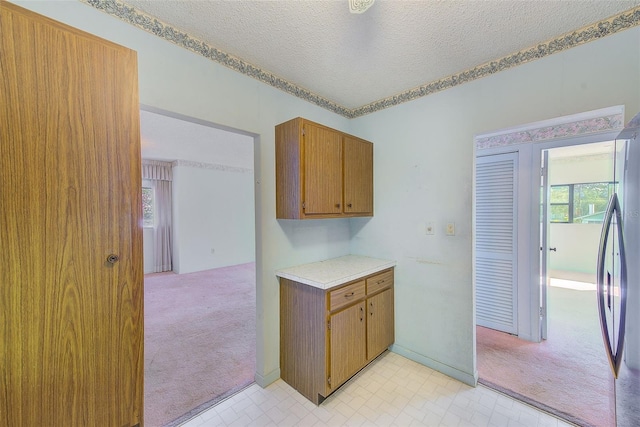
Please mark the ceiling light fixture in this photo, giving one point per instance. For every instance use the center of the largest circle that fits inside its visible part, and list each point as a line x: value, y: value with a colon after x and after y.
x: 359, y: 6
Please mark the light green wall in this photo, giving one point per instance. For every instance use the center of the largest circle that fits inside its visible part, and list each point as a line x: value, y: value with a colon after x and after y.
x: 423, y: 170
x: 576, y: 251
x: 577, y: 244
x: 584, y: 169
x: 213, y: 210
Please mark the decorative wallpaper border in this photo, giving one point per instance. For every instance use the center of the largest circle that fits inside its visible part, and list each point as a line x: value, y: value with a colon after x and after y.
x: 610, y: 26
x: 615, y: 24
x: 152, y: 25
x: 545, y: 133
x: 213, y: 166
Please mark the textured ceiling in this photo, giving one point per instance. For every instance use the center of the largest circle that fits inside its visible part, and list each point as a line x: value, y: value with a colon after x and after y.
x: 356, y: 59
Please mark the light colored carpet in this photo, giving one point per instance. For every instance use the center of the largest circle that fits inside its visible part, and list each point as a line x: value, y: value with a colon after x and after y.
x: 199, y: 340
x: 568, y: 374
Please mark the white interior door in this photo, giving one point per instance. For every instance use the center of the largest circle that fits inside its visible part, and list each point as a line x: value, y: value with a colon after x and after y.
x: 496, y: 242
x: 544, y: 242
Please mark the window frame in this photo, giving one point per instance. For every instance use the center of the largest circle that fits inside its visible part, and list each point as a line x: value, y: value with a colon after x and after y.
x: 145, y: 223
x: 571, y: 202
x: 568, y: 204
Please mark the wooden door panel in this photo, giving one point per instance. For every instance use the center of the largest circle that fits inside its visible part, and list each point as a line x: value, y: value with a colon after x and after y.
x: 380, y: 323
x: 322, y: 170
x: 71, y: 351
x: 358, y: 176
x: 348, y: 343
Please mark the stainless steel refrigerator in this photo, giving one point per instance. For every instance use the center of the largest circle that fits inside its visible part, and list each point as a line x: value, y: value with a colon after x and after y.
x: 618, y: 277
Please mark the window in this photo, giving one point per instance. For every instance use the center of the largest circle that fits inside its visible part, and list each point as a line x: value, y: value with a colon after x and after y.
x: 147, y: 207
x: 580, y: 203
x: 591, y: 201
x: 560, y: 201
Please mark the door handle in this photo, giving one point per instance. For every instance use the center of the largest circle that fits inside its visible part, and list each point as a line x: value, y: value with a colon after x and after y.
x: 614, y: 355
x: 552, y: 249
x: 113, y: 258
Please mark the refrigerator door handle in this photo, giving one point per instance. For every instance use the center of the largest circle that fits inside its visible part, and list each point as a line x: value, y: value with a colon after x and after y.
x: 615, y: 358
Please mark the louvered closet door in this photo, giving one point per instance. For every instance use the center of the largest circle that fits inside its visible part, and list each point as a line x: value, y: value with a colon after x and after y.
x: 496, y: 238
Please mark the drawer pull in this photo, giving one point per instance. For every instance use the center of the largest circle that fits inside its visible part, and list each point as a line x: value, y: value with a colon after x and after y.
x: 379, y: 281
x: 349, y: 295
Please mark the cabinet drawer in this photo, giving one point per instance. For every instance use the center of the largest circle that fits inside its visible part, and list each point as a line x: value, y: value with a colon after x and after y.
x: 346, y: 295
x: 379, y: 281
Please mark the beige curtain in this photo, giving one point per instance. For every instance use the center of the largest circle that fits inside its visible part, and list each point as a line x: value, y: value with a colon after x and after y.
x: 160, y: 175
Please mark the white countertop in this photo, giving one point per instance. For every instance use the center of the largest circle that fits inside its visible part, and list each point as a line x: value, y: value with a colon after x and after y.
x: 336, y: 271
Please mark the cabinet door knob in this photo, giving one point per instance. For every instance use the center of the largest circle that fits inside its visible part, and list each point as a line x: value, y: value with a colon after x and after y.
x: 337, y: 205
x: 113, y: 258
x: 349, y: 205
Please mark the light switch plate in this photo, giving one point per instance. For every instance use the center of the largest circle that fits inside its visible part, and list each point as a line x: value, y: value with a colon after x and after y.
x: 451, y: 229
x: 429, y: 229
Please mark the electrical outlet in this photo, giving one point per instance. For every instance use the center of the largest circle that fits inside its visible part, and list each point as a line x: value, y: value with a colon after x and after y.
x: 451, y: 229
x: 429, y: 229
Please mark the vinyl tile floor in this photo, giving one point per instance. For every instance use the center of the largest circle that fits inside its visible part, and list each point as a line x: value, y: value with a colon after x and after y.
x: 390, y: 391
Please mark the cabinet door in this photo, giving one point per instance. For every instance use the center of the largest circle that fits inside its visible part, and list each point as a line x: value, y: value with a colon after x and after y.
x: 358, y: 176
x: 322, y: 170
x: 71, y: 334
x: 348, y: 343
x: 380, y: 324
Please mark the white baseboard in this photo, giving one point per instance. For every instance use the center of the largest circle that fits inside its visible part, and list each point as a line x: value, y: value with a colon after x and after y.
x: 264, y: 380
x: 459, y: 375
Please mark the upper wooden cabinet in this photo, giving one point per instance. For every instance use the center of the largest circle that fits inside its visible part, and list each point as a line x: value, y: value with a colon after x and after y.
x: 321, y: 172
x: 358, y: 176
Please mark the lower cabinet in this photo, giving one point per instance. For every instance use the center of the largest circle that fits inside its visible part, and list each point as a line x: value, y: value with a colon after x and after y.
x: 379, y: 326
x: 327, y: 336
x: 348, y: 343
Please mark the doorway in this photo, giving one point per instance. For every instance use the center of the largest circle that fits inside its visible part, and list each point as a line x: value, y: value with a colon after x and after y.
x: 200, y: 338
x: 566, y: 373
x: 577, y: 182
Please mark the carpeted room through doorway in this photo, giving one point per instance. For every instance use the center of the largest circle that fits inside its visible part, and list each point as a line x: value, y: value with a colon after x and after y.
x: 200, y: 335
x: 567, y: 374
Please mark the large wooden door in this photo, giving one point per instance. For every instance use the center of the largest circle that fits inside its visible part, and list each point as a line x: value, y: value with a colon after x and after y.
x: 71, y: 321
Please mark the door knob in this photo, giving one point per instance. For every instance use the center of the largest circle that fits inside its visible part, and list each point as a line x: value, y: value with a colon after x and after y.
x: 113, y: 258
